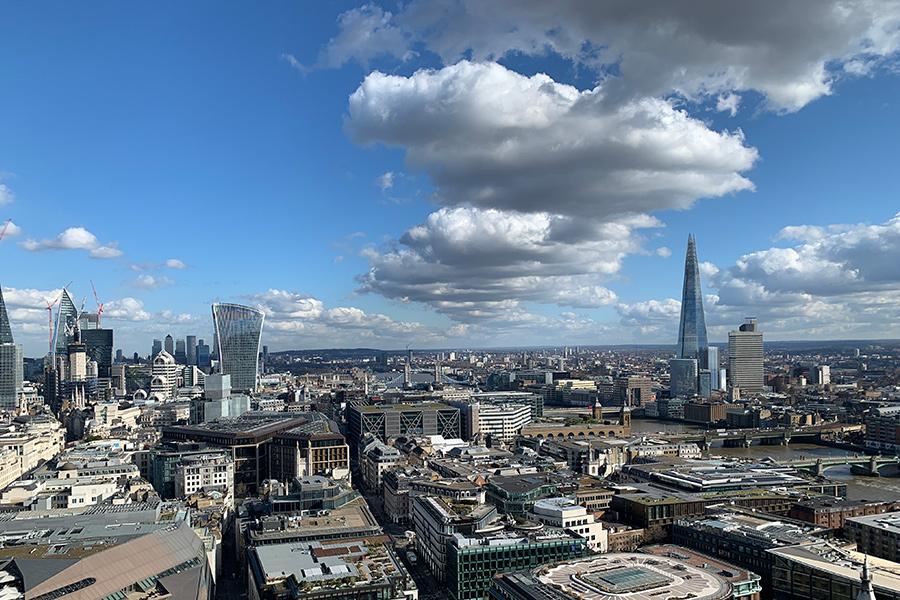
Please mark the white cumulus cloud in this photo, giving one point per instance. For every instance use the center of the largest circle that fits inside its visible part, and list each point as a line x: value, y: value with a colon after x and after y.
x: 74, y: 238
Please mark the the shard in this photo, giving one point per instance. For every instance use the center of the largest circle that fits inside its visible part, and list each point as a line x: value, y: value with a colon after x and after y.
x: 6, y: 336
x: 692, y: 341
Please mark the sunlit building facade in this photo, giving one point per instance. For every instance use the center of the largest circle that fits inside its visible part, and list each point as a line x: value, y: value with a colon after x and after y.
x: 238, y: 333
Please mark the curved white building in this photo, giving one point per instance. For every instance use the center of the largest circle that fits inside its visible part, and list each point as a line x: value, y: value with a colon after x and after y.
x: 238, y: 334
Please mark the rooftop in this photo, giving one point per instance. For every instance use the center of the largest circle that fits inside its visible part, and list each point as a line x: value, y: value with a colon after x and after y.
x: 886, y: 521
x: 843, y: 563
x: 635, y: 576
x: 776, y: 533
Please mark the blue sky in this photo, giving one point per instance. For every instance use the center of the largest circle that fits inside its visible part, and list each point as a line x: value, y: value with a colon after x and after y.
x: 222, y: 137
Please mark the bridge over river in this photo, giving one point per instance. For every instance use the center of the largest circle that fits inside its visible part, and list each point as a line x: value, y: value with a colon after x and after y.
x: 737, y: 438
x: 860, y: 464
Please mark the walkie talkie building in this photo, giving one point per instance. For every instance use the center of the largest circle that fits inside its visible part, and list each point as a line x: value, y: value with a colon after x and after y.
x: 238, y: 331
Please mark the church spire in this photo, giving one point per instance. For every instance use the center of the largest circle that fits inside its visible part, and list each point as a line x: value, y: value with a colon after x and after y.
x: 866, y: 592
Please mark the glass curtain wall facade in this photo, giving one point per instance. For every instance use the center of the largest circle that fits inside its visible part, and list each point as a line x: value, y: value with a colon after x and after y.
x: 238, y: 332
x: 66, y: 317
x: 692, y: 341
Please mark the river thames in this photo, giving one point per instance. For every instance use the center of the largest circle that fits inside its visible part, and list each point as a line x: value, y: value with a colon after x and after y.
x: 858, y: 487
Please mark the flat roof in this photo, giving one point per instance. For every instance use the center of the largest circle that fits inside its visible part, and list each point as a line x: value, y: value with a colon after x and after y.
x: 885, y: 521
x: 635, y: 577
x: 842, y: 562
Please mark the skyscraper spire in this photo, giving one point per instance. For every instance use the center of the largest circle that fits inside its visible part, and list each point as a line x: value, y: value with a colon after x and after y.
x: 692, y: 341
x: 6, y: 336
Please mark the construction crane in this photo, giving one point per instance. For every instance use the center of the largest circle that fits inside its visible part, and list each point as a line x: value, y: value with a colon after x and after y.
x: 5, y: 227
x: 50, y: 306
x: 99, y: 304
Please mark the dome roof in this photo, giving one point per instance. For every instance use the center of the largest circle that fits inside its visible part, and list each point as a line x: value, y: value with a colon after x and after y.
x: 68, y: 466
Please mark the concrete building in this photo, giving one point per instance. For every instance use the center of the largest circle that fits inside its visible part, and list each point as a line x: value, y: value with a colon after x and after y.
x: 386, y: 421
x: 247, y: 439
x: 832, y: 513
x: 564, y: 513
x: 615, y: 576
x: 319, y: 449
x: 633, y: 390
x: 875, y: 535
x: 820, y: 375
x: 502, y: 421
x: 823, y: 571
x: 163, y: 377
x: 206, y: 472
x: 746, y: 358
x: 375, y: 459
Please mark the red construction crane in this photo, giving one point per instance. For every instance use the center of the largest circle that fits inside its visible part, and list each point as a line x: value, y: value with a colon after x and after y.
x: 5, y: 227
x: 99, y: 304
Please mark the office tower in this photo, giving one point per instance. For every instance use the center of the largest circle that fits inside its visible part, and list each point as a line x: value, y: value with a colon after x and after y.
x: 99, y: 347
x: 745, y: 358
x: 120, y: 356
x: 163, y: 377
x: 683, y: 376
x: 66, y: 319
x: 11, y: 364
x: 820, y: 375
x: 238, y: 331
x: 191, y: 349
x: 87, y: 320
x: 711, y: 363
x: 119, y: 382
x: 180, y: 352
x: 157, y: 348
x: 214, y: 351
x: 203, y: 358
x: 692, y: 328
x: 169, y: 345
x: 6, y: 336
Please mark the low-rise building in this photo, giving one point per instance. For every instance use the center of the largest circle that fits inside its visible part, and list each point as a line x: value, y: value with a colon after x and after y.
x: 742, y: 539
x: 832, y: 513
x: 205, y: 472
x: 614, y: 576
x: 375, y: 459
x: 564, y: 513
x: 876, y: 534
x: 823, y: 571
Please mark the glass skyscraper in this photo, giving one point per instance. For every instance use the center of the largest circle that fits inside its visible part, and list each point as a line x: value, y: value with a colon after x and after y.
x: 693, y: 353
x: 6, y: 336
x: 238, y: 333
x: 692, y: 329
x: 66, y: 317
x: 10, y: 363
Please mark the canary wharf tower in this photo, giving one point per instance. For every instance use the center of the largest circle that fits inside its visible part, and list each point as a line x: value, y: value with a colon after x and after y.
x: 238, y: 331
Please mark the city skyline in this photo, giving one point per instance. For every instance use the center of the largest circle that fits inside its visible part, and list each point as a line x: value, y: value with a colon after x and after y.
x: 379, y: 217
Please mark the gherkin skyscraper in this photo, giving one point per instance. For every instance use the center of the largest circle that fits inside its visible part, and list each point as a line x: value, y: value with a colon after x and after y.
x: 692, y: 341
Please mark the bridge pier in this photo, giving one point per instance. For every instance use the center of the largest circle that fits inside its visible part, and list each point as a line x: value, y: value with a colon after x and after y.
x: 820, y: 468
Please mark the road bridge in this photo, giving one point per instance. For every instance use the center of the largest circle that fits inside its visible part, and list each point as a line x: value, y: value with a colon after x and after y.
x: 860, y: 464
x: 737, y: 438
